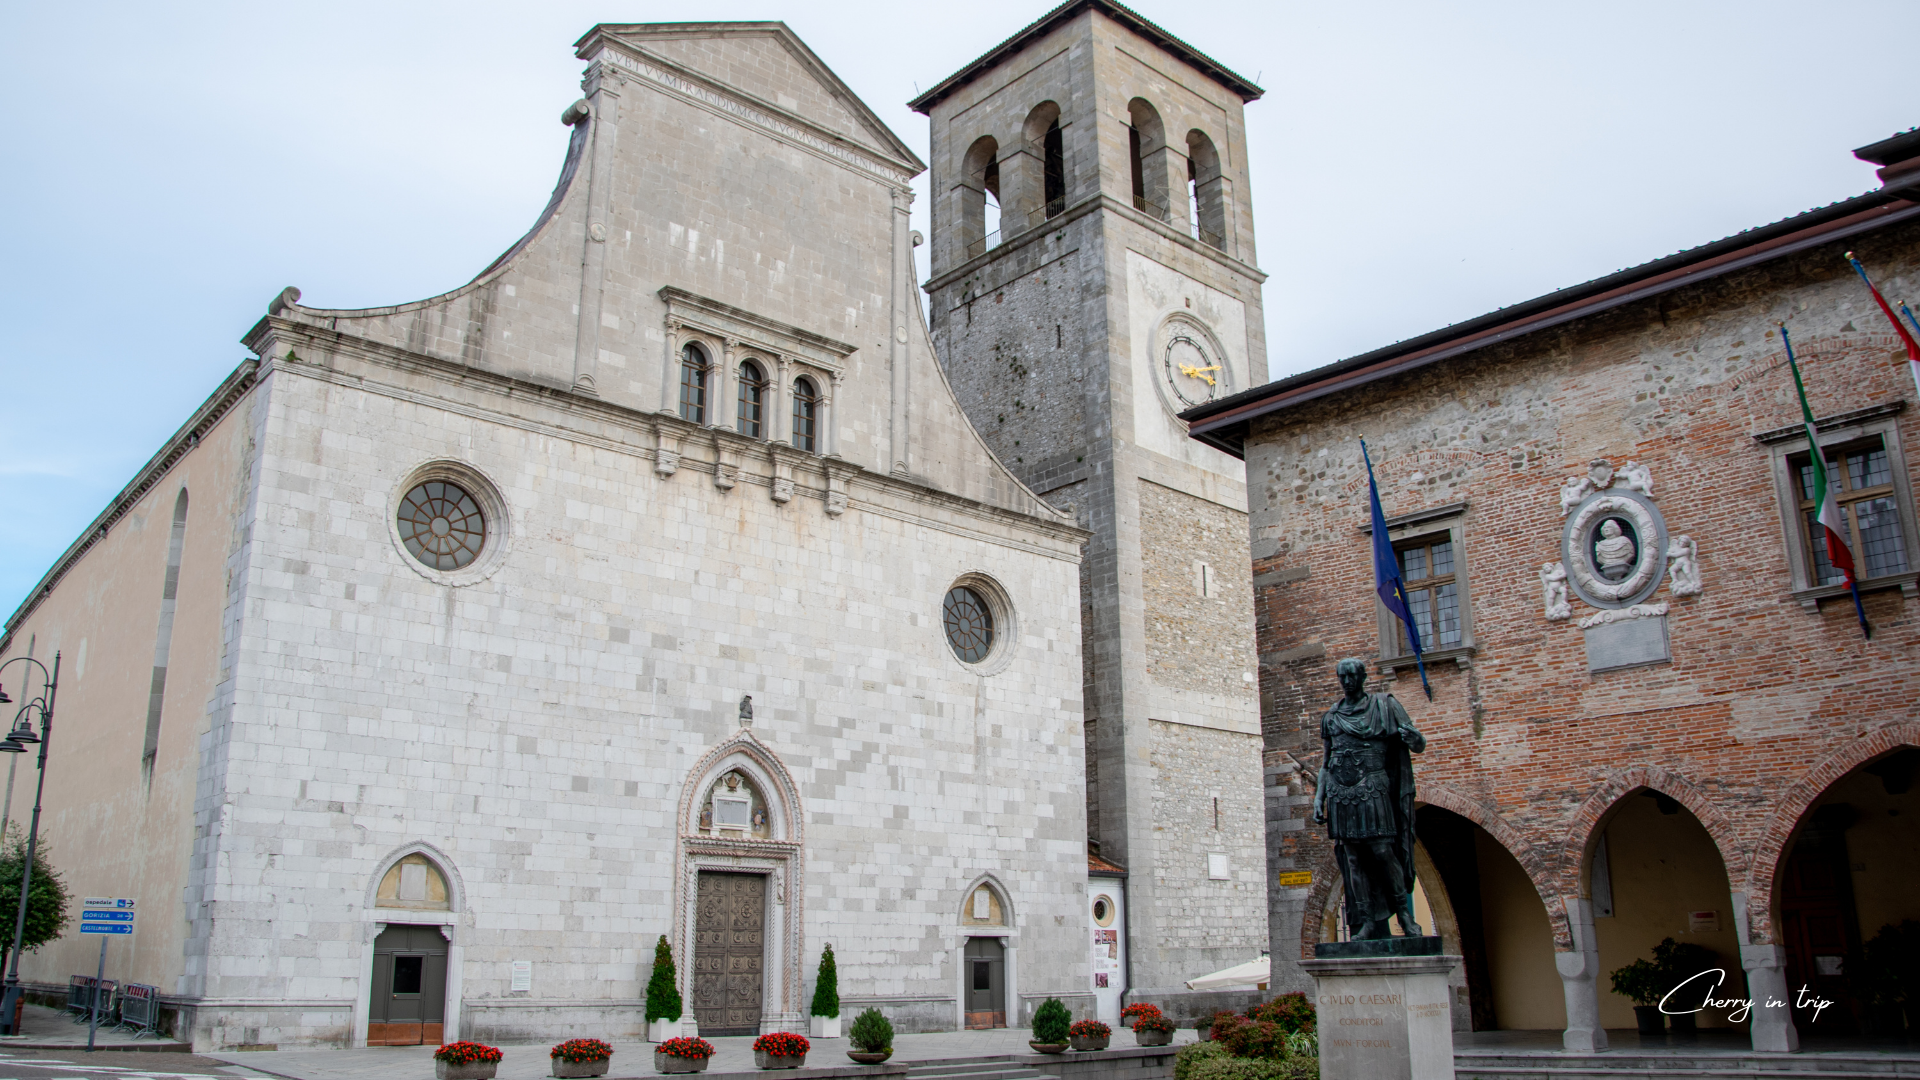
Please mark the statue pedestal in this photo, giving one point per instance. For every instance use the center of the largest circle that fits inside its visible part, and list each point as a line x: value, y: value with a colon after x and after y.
x: 1383, y: 1009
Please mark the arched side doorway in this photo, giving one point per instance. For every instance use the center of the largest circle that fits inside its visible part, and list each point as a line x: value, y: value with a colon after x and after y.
x: 1505, y: 938
x: 1846, y: 894
x: 987, y: 973
x: 411, y: 993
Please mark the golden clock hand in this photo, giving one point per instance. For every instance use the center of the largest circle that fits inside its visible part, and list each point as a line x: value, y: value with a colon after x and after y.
x: 1192, y: 372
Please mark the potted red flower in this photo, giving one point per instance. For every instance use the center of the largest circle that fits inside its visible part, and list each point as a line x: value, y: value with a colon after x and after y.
x: 1089, y: 1035
x: 682, y: 1055
x: 781, y: 1050
x: 581, y: 1057
x: 1137, y: 1010
x: 466, y: 1061
x: 1155, y: 1030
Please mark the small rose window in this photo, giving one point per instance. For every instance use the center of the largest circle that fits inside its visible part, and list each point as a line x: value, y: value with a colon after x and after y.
x: 441, y: 525
x: 969, y: 624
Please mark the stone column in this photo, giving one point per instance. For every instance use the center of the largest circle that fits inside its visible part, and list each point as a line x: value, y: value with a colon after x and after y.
x: 829, y: 443
x: 1579, y: 970
x: 1773, y: 1031
x: 670, y: 371
x: 777, y: 404
x: 725, y: 392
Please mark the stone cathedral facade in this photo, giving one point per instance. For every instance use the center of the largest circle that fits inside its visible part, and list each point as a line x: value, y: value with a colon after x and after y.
x: 1093, y: 275
x: 652, y: 583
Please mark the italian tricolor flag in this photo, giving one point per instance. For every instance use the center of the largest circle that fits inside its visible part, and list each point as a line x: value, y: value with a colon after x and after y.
x: 1838, y: 553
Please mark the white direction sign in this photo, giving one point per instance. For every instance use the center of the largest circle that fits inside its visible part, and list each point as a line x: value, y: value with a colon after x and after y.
x: 106, y: 915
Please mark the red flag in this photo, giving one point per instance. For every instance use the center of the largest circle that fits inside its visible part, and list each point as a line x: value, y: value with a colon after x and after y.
x: 1913, y: 347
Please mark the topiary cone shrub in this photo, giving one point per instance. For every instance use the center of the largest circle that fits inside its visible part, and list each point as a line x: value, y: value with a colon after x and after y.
x: 663, y: 996
x: 826, y: 986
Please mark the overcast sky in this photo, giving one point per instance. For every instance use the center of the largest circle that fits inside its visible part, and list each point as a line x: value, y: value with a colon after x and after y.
x: 166, y: 169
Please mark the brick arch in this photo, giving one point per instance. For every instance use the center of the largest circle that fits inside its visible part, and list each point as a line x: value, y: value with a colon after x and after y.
x: 1775, y: 838
x: 1446, y: 798
x: 1570, y: 858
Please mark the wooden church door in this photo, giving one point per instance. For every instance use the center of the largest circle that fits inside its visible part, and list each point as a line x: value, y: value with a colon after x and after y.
x: 729, y: 951
x: 409, y: 997
x: 986, y: 977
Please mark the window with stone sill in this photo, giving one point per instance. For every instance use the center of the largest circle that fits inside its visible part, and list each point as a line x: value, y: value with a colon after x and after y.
x: 1860, y: 474
x: 1434, y: 593
x: 750, y: 420
x: 806, y: 406
x: 693, y: 383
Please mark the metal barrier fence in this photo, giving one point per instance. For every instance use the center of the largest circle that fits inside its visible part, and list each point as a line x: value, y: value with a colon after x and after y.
x: 139, y: 1008
x: 79, y: 993
x: 102, y: 1005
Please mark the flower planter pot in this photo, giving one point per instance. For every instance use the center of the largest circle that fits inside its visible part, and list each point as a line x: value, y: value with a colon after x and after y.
x: 1047, y: 1048
x: 778, y: 1061
x: 667, y: 1063
x: 564, y: 1068
x: 1205, y: 1033
x: 1650, y: 1020
x: 1097, y: 1043
x: 1160, y: 1038
x: 659, y: 1031
x: 870, y: 1057
x: 472, y: 1070
x: 825, y: 1027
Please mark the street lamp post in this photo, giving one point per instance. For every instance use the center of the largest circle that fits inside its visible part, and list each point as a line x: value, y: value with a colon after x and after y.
x: 17, y: 742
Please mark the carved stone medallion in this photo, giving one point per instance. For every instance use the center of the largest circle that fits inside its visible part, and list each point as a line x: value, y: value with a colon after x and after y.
x: 1614, y: 546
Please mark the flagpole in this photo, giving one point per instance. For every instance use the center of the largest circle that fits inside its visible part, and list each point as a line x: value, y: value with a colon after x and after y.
x: 1822, y: 496
x: 1385, y: 560
x: 1913, y: 346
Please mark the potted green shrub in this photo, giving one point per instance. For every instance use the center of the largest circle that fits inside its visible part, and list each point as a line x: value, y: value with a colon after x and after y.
x: 466, y: 1061
x: 826, y: 998
x: 872, y: 1038
x: 781, y: 1050
x: 1050, y: 1023
x: 663, y: 996
x: 581, y: 1057
x: 1089, y: 1035
x: 1153, y: 1030
x: 1639, y: 982
x: 682, y: 1055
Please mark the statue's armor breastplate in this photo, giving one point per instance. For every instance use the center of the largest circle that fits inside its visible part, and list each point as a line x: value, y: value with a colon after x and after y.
x: 1358, y: 798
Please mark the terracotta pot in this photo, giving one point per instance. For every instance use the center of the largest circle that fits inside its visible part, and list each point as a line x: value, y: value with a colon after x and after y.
x: 472, y: 1070
x: 1082, y: 1043
x: 564, y: 1068
x: 1158, y: 1038
x: 667, y: 1063
x: 870, y: 1057
x: 778, y: 1061
x: 1650, y: 1020
x: 1047, y: 1048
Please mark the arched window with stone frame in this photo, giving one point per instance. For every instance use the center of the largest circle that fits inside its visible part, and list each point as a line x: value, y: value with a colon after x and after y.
x: 806, y: 407
x: 1146, y: 159
x: 695, y: 372
x: 979, y: 197
x: 750, y: 420
x: 1206, y: 191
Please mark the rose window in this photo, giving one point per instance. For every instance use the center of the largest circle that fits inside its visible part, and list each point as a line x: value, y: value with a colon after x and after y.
x: 441, y: 525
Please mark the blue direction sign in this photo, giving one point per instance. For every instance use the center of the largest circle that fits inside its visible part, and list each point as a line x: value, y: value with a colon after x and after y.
x: 106, y: 915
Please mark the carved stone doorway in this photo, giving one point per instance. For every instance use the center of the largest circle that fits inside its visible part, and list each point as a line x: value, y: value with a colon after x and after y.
x: 729, y: 953
x: 986, y: 983
x: 408, y: 1005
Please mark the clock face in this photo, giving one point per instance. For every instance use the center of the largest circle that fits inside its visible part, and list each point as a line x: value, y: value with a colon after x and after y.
x: 1192, y: 372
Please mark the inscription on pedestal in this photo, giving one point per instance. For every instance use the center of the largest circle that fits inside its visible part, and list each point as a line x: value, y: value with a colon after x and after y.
x: 1384, y: 1018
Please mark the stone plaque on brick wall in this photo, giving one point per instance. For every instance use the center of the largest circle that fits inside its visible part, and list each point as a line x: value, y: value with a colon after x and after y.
x: 1627, y: 643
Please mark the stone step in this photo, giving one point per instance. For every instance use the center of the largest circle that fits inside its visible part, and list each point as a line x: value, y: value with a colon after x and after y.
x: 1704, y: 1067
x: 1000, y: 1068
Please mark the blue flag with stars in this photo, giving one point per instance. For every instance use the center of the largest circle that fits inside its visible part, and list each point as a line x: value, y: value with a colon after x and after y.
x: 1386, y: 573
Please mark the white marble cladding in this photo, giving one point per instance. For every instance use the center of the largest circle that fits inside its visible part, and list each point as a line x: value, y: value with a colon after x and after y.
x: 538, y: 722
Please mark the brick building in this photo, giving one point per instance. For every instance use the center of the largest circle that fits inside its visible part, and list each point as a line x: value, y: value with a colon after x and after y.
x: 1654, y: 713
x: 1094, y: 273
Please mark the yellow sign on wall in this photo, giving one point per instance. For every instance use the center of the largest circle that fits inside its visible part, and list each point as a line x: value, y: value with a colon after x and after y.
x: 1296, y: 879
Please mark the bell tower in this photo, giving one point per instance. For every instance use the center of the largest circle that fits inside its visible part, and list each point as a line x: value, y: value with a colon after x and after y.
x: 1093, y: 276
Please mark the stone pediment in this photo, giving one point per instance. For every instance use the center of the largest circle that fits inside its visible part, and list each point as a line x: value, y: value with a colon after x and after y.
x: 764, y: 67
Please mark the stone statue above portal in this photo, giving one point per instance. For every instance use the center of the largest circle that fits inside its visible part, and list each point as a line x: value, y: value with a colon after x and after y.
x: 1365, y: 798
